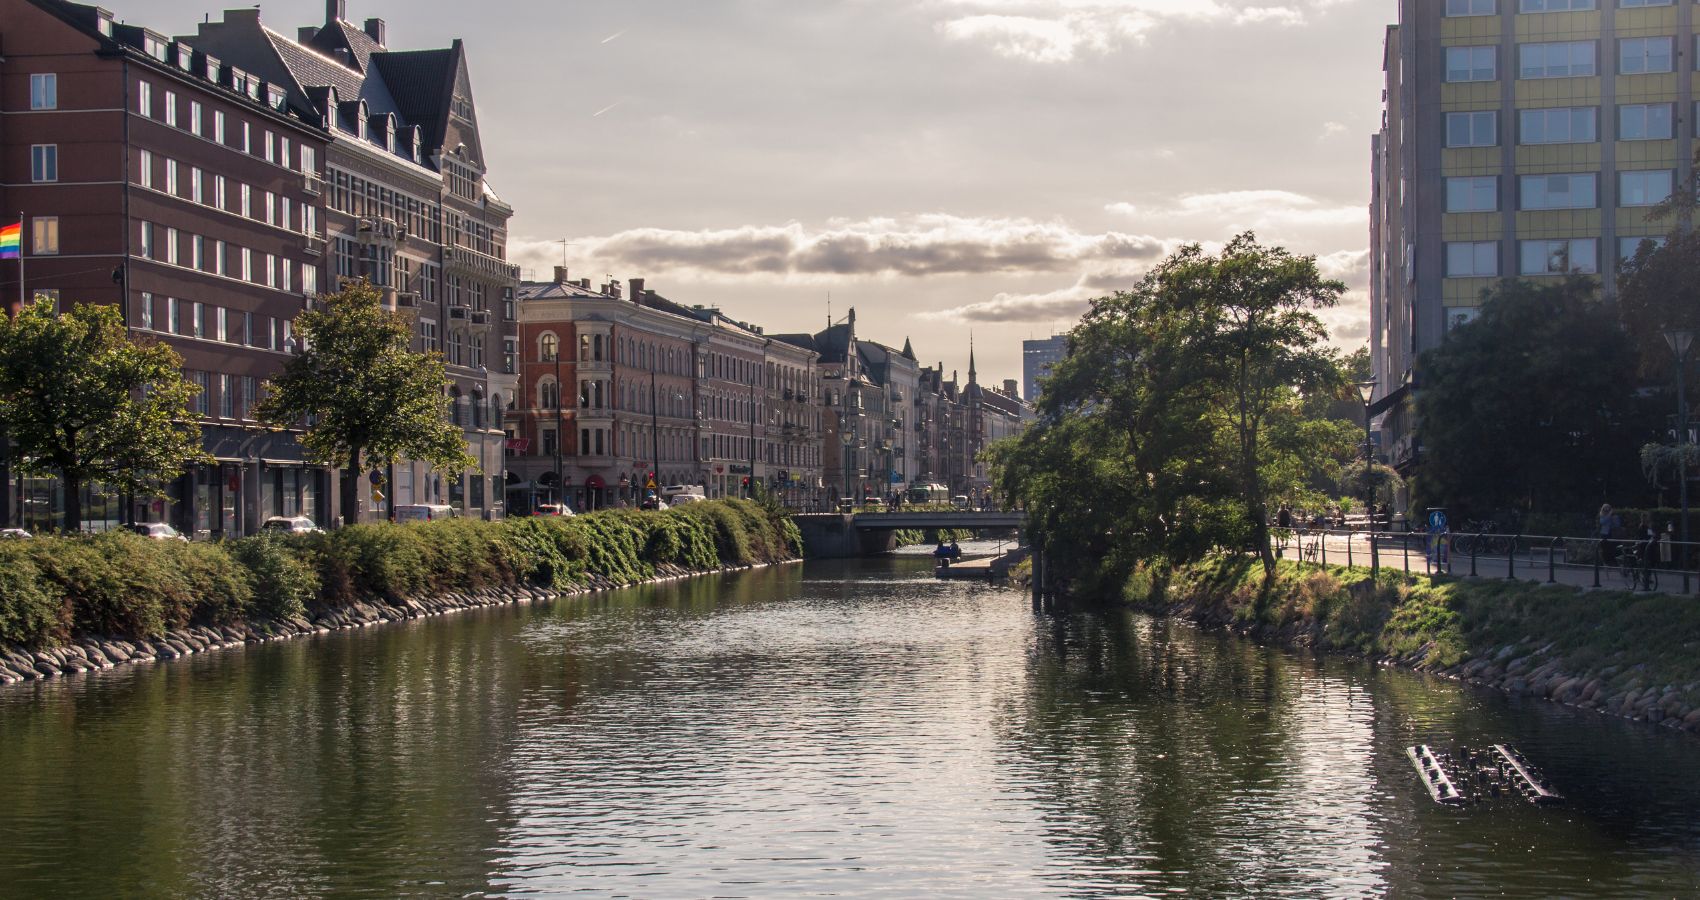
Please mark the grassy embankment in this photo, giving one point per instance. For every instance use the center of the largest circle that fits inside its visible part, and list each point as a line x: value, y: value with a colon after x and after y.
x: 1636, y: 655
x: 56, y: 589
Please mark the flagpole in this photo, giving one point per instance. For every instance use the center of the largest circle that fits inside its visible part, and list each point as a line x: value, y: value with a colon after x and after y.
x: 22, y: 302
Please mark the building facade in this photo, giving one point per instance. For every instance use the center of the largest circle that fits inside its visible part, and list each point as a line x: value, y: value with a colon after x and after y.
x: 184, y: 188
x: 1520, y: 139
x: 1037, y: 358
x: 407, y: 209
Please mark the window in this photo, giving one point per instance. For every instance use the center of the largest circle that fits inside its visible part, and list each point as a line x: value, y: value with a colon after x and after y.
x: 44, y: 91
x: 195, y: 122
x: 221, y: 324
x: 171, y: 246
x: 1559, y: 191
x: 174, y: 315
x: 1472, y: 129
x: 1627, y: 247
x: 218, y: 125
x: 203, y: 402
x: 247, y: 265
x: 1560, y: 59
x: 1472, y: 194
x: 428, y: 335
x: 1645, y: 122
x: 1478, y: 259
x: 1627, y: 4
x: 1644, y: 188
x: 244, y: 200
x: 171, y: 177
x: 1643, y: 55
x: 1563, y: 125
x: 196, y: 192
x: 268, y: 148
x: 44, y: 162
x: 171, y: 109
x: 1535, y: 6
x: 218, y: 200
x: 144, y: 169
x: 1470, y: 7
x: 144, y: 99
x: 226, y: 397
x: 197, y: 252
x: 1470, y: 64
x: 147, y: 240
x: 549, y: 347
x: 198, y: 319
x: 1560, y: 257
x: 147, y: 311
x: 309, y: 280
x: 44, y: 232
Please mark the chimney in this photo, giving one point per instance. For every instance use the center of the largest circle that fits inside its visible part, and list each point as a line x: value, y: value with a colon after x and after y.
x: 1009, y: 387
x: 335, y: 11
x: 612, y: 289
x: 561, y: 275
x: 637, y: 290
x: 584, y: 283
x: 375, y: 30
x: 306, y: 34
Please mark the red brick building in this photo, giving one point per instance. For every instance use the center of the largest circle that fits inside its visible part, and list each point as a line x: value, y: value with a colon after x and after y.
x: 188, y: 191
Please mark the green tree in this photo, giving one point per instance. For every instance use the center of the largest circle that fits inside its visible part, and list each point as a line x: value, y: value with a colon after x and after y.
x: 368, y: 399
x: 80, y: 399
x: 1658, y: 288
x: 1533, y: 406
x: 1181, y: 410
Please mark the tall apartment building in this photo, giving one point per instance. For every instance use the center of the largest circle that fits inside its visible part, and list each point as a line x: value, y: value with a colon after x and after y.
x: 184, y: 188
x: 1037, y: 358
x: 1522, y: 138
x: 407, y: 209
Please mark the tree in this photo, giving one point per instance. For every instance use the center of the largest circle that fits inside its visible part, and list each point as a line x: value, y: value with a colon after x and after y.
x: 1533, y: 406
x: 1659, y: 287
x: 367, y: 398
x: 1182, y: 408
x: 82, y: 400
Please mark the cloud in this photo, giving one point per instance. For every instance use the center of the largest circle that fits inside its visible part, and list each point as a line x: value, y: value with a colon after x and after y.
x: 1258, y: 209
x: 1067, y: 303
x: 1058, y: 31
x: 915, y: 246
x: 1331, y: 130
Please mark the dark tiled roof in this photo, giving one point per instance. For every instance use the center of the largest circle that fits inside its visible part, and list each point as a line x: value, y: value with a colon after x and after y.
x: 422, y: 84
x: 555, y: 290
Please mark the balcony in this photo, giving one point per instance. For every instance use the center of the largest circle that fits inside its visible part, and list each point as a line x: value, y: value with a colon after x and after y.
x: 375, y: 230
x: 480, y: 317
x: 315, y: 245
x: 407, y: 300
x: 462, y: 261
x: 459, y: 312
x: 312, y: 183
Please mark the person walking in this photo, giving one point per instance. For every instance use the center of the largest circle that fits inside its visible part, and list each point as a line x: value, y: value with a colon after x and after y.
x: 1609, y: 523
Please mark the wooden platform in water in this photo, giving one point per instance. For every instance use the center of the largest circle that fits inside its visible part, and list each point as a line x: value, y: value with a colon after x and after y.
x: 968, y: 569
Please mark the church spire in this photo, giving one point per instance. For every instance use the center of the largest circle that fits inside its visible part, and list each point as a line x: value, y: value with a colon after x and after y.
x: 973, y: 376
x: 908, y: 350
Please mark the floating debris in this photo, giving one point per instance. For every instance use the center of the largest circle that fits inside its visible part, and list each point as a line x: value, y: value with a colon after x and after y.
x: 1464, y: 775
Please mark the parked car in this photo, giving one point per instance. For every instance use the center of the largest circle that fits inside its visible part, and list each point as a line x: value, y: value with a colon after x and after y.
x: 158, y: 531
x: 14, y: 534
x: 423, y: 512
x: 553, y: 509
x: 960, y: 501
x: 677, y: 499
x: 290, y: 525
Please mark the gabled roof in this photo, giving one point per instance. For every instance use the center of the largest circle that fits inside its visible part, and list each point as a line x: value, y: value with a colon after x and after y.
x: 557, y: 290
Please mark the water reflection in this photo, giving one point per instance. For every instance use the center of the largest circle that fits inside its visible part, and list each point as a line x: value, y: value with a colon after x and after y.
x: 841, y: 728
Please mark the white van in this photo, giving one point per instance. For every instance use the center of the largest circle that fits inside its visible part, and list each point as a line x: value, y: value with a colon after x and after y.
x: 423, y: 512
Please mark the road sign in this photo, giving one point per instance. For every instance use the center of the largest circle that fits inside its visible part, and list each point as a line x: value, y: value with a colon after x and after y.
x: 651, y: 484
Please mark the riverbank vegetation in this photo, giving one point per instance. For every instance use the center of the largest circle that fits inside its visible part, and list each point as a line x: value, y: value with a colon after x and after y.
x: 1629, y: 654
x: 123, y: 585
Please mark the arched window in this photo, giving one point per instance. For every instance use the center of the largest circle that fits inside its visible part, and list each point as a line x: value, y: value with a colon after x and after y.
x: 496, y: 410
x: 548, y: 346
x: 549, y: 394
x: 596, y: 342
x: 584, y: 348
x: 477, y: 409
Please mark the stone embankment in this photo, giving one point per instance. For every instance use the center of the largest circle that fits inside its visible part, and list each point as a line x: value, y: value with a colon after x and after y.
x: 1631, y: 656
x: 88, y: 654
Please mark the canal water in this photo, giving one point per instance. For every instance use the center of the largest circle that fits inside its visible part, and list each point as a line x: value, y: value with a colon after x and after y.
x: 850, y: 729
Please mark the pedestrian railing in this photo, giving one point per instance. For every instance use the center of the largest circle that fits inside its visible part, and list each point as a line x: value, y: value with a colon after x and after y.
x: 1624, y: 564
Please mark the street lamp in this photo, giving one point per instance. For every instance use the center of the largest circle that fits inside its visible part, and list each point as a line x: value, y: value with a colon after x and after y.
x: 1366, y: 390
x: 1679, y: 340
x: 849, y: 440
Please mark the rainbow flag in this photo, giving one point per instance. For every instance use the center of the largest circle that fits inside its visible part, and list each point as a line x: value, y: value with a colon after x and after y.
x: 11, y: 241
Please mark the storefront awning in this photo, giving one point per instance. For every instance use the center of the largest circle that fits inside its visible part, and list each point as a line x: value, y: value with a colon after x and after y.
x: 1391, y: 400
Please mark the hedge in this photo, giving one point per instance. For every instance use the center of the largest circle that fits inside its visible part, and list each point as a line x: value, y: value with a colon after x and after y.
x: 120, y: 584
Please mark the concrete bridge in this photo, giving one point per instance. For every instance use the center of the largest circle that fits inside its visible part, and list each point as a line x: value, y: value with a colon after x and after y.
x: 845, y: 535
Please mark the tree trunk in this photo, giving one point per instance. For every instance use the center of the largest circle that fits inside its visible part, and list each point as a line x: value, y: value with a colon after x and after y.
x: 351, y: 489
x: 73, y: 504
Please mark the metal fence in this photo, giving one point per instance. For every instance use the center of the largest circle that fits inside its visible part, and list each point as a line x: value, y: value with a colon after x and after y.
x: 1620, y: 564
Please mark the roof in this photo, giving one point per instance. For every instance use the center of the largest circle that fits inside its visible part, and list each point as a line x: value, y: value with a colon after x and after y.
x: 557, y: 290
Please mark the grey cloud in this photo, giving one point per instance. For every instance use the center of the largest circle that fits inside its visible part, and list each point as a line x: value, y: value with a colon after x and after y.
x: 911, y: 247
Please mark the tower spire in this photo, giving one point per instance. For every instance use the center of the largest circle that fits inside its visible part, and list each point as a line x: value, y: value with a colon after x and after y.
x: 973, y: 376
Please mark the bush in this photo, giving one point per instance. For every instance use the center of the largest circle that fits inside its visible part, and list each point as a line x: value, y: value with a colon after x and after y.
x: 125, y: 585
x: 30, y: 613
x: 284, y: 582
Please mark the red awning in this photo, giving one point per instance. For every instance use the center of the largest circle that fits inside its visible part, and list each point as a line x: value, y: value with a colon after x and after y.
x: 595, y: 482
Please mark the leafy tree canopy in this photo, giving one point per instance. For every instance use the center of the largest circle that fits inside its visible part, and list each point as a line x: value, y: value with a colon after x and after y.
x: 369, y: 400
x: 1533, y: 406
x: 82, y: 400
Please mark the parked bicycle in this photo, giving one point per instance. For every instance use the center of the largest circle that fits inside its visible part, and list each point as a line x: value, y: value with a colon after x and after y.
x: 1481, y: 537
x: 1637, y: 570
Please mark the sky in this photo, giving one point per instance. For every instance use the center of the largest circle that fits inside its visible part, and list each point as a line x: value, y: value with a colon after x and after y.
x: 955, y: 170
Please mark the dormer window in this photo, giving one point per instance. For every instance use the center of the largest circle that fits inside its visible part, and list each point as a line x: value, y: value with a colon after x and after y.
x: 155, y: 48
x: 185, y: 58
x: 277, y: 99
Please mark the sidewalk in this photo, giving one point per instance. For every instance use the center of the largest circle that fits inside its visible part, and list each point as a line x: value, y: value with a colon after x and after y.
x: 1407, y: 554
